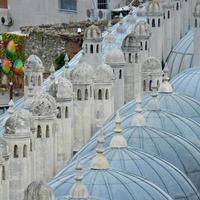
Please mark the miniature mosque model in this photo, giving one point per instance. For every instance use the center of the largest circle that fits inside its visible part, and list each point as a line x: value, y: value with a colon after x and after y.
x: 121, y: 120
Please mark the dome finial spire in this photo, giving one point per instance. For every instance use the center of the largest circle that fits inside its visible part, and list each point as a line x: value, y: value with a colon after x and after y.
x: 118, y: 140
x: 138, y: 118
x: 79, y: 190
x: 165, y: 86
x: 52, y: 71
x: 99, y: 161
x: 11, y: 106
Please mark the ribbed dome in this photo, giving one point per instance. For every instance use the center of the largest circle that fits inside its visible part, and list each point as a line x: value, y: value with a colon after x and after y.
x: 142, y: 30
x: 188, y: 83
x: 174, y: 149
x: 61, y: 88
x: 161, y: 173
x: 115, y: 56
x: 43, y: 105
x: 93, y: 33
x: 18, y: 124
x: 34, y: 64
x: 152, y: 65
x: 182, y: 56
x: 111, y: 185
x: 82, y: 73
x: 154, y: 8
x: 103, y: 73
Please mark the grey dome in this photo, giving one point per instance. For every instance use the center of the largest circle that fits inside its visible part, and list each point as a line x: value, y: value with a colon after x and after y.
x: 115, y: 56
x: 111, y: 184
x: 18, y: 124
x: 43, y: 105
x: 161, y: 173
x: 188, y: 83
x: 34, y: 64
x: 103, y: 73
x: 61, y: 88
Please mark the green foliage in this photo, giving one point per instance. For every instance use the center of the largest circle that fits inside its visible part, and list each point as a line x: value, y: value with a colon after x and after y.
x: 60, y: 61
x: 19, y: 40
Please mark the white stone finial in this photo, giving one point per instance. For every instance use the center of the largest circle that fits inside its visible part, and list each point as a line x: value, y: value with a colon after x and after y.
x: 118, y: 140
x: 138, y: 118
x: 165, y: 86
x: 11, y: 107
x: 79, y: 190
x: 52, y: 71
x: 99, y: 161
x: 120, y: 16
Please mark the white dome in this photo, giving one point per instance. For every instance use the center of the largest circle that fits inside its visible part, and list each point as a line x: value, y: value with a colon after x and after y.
x: 131, y: 18
x: 82, y: 73
x: 93, y: 33
x: 103, y: 73
x: 61, y: 88
x: 152, y: 65
x: 154, y: 8
x: 19, y: 123
x: 197, y: 9
x: 115, y: 56
x: 142, y: 30
x: 121, y: 28
x: 34, y: 63
x: 43, y: 105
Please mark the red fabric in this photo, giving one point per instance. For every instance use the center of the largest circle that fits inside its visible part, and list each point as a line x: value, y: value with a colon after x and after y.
x: 3, y: 3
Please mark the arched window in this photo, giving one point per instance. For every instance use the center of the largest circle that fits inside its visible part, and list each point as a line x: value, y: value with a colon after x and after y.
x: 100, y: 94
x: 86, y: 48
x: 158, y: 83
x: 150, y: 85
x: 31, y: 146
x: 129, y: 58
x: 59, y: 113
x: 168, y: 14
x: 153, y: 23
x: 120, y: 74
x: 33, y: 80
x: 159, y: 22
x: 39, y: 131
x: 24, y: 151
x: 3, y: 173
x: 136, y: 58
x: 107, y: 94
x: 177, y: 6
x: 91, y: 48
x: 47, y: 131
x: 86, y: 94
x: 144, y: 85
x: 146, y: 46
x: 148, y: 20
x: 91, y: 91
x: 66, y: 112
x: 79, y: 95
x: 97, y: 49
x: 195, y: 23
x: 26, y: 80
x: 141, y: 44
x: 94, y: 94
x: 16, y: 152
x: 39, y: 81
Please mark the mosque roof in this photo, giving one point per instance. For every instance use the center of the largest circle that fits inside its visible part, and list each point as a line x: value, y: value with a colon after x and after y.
x: 182, y: 56
x: 188, y: 83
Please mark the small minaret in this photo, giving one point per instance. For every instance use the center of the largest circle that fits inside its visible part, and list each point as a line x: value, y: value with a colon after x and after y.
x: 4, y: 169
x: 132, y: 51
x: 154, y: 16
x: 92, y: 45
x: 33, y: 74
x: 115, y: 58
x: 62, y: 91
x: 17, y: 135
x: 177, y: 21
x: 196, y: 30
x: 168, y: 29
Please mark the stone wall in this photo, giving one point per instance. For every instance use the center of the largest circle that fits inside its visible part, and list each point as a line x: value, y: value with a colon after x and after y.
x: 50, y: 41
